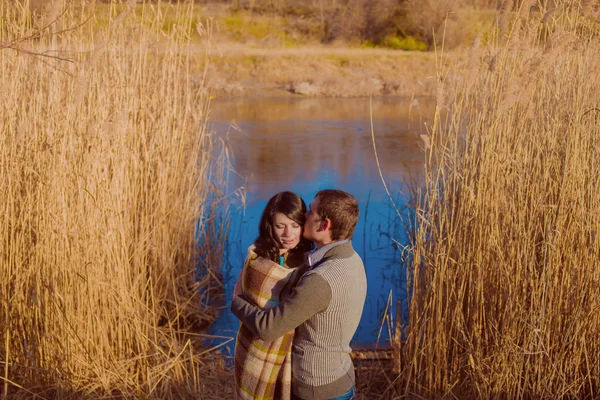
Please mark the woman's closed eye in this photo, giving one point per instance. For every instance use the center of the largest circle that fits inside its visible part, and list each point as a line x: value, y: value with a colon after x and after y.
x: 295, y: 226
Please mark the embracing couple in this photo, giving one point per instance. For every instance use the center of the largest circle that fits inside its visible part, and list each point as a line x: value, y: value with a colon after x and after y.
x: 300, y: 297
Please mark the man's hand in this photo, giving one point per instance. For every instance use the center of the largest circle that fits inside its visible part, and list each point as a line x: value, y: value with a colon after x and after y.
x: 311, y: 296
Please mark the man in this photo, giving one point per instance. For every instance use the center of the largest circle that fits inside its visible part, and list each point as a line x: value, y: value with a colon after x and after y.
x: 325, y: 307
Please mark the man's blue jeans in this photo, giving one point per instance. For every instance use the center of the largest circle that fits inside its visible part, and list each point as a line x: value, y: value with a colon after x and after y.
x: 349, y: 395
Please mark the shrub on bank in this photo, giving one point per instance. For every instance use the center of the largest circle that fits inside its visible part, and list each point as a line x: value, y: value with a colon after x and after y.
x: 408, y: 43
x: 428, y: 21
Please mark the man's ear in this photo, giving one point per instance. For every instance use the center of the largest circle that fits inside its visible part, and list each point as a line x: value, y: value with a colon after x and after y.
x: 325, y: 224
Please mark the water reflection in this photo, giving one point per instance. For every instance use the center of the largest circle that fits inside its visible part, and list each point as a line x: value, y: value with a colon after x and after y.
x: 306, y: 145
x: 329, y: 109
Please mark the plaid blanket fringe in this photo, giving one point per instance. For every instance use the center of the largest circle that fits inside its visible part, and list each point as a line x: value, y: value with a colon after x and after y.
x: 263, y: 370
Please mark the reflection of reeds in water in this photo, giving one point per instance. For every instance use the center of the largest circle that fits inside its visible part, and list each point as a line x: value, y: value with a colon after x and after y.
x: 504, y: 271
x: 105, y: 174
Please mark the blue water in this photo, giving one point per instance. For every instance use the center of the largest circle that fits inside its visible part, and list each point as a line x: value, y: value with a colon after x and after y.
x: 305, y: 145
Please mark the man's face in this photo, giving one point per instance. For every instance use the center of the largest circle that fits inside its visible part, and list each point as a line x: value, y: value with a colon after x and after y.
x: 313, y: 227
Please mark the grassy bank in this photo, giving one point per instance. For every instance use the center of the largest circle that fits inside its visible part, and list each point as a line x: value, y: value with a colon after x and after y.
x: 108, y: 206
x: 505, y: 252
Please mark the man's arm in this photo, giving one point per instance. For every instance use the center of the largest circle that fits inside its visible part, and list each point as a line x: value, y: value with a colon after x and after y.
x: 311, y: 296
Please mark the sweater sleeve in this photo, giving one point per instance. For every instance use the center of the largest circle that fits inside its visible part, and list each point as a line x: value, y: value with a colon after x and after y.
x: 311, y: 296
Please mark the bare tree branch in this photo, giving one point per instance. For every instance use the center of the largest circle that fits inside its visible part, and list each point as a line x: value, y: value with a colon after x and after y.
x: 41, y: 33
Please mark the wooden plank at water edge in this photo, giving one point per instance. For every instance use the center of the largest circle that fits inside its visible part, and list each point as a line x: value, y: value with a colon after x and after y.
x: 371, y: 351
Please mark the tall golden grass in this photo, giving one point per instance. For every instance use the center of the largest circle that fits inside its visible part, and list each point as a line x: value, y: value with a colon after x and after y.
x: 505, y: 266
x: 109, y: 231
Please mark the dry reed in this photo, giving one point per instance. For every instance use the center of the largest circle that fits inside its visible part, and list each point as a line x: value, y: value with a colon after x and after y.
x: 504, y: 271
x: 110, y: 237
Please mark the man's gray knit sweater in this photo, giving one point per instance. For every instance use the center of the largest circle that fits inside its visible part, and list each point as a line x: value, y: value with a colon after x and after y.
x: 325, y: 309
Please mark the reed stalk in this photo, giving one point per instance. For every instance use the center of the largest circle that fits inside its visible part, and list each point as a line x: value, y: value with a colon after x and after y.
x: 109, y: 232
x: 504, y: 277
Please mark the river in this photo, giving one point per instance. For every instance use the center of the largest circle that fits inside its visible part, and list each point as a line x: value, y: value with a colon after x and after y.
x: 308, y: 144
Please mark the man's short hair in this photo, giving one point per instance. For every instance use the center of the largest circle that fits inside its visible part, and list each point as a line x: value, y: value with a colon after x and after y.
x: 342, y: 210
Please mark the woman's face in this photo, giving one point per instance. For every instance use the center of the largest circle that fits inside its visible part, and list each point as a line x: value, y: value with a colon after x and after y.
x: 287, y: 231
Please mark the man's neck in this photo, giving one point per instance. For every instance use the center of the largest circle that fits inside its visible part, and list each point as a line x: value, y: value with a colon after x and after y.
x: 324, y: 243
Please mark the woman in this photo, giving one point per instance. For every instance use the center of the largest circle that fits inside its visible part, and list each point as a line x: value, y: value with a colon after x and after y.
x: 272, y: 267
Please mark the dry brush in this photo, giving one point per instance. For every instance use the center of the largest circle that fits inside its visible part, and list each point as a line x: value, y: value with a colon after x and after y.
x: 109, y: 188
x: 504, y: 269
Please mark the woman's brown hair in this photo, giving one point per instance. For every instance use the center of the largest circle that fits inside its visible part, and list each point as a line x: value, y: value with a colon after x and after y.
x: 292, y: 206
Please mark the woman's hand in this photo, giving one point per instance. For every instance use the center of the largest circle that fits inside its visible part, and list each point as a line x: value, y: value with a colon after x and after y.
x: 237, y: 290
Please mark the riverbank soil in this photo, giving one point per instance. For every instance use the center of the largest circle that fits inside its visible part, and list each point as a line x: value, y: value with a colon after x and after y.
x: 374, y: 380
x: 319, y: 71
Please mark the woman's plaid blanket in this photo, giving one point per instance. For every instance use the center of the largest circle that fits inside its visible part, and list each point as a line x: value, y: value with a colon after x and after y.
x: 263, y: 370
